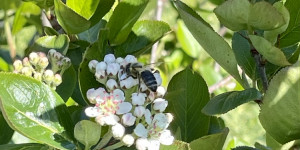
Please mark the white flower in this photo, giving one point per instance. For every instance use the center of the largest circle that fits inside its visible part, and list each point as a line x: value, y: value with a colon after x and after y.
x: 100, y: 70
x: 51, y: 52
x: 92, y: 65
x: 170, y: 117
x: 141, y: 131
x: 151, y: 96
x: 118, y: 131
x: 128, y: 119
x: 139, y: 111
x: 166, y: 138
x: 138, y: 98
x: 148, y: 116
x: 112, y: 84
x: 153, y: 144
x: 113, y: 69
x: 109, y: 58
x: 119, y: 60
x: 142, y: 144
x: 128, y: 83
x: 107, y: 120
x: 38, y: 76
x: 160, y: 104
x: 94, y: 95
x: 26, y: 62
x: 130, y: 59
x: 128, y: 140
x: 160, y: 121
x: 161, y: 91
x: 158, y: 78
x: 118, y: 95
x: 92, y: 111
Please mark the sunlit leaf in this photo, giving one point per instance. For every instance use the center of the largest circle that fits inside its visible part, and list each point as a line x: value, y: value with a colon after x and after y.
x: 26, y: 146
x: 85, y: 8
x: 87, y: 132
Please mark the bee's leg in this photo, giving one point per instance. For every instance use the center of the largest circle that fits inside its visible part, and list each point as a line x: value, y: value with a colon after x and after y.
x: 139, y: 79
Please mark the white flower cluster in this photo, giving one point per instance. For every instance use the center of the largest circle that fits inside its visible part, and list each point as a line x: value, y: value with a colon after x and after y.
x: 141, y: 109
x: 37, y: 63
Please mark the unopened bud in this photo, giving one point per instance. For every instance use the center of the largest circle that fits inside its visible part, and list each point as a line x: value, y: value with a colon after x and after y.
x: 128, y: 83
x: 38, y: 76
x: 18, y: 65
x: 109, y: 58
x: 130, y: 59
x: 26, y: 62
x: 51, y: 53
x: 57, y: 56
x: 92, y: 65
x: 48, y: 76
x: 34, y: 58
x: 128, y: 140
x: 112, y: 69
x: 111, y: 84
x: 118, y: 131
x: 142, y: 144
x: 27, y: 71
x: 119, y: 60
x: 57, y: 80
x: 43, y: 62
x: 160, y: 91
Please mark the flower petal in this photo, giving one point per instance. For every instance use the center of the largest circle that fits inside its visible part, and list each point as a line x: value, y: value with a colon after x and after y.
x: 141, y: 131
x: 166, y: 138
x: 118, y: 95
x: 93, y: 111
x: 148, y: 116
x: 153, y: 144
x: 128, y: 119
x: 124, y: 107
x: 141, y: 144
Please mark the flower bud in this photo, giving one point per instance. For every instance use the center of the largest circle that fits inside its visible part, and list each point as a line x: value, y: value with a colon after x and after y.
x: 138, y: 98
x: 100, y: 70
x: 48, y: 76
x: 119, y: 60
x: 139, y: 111
x: 34, y: 58
x: 18, y: 65
x: 166, y: 138
x: 112, y: 69
x: 151, y: 96
x: 130, y: 59
x: 160, y: 104
x: 38, y: 76
x: 142, y: 144
x: 57, y: 80
x: 43, y: 62
x: 26, y: 62
x: 26, y: 71
x: 170, y: 117
x: 57, y: 56
x: 158, y: 78
x: 161, y: 91
x: 92, y: 65
x: 128, y: 119
x: 51, y: 53
x: 128, y: 140
x: 109, y: 58
x: 118, y: 131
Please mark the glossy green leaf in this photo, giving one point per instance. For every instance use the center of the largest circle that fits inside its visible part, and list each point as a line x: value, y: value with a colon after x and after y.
x: 26, y: 146
x: 5, y: 130
x: 34, y: 110
x: 241, y: 49
x: 26, y: 11
x: 216, y: 125
x: 42, y: 3
x: 85, y: 8
x: 144, y: 34
x: 96, y: 51
x: 228, y: 16
x: 282, y: 104
x: 272, y: 35
x: 177, y: 145
x: 45, y: 43
x: 265, y: 17
x: 291, y: 35
x: 212, y: 42
x: 120, y: 23
x: 66, y: 88
x: 273, y: 54
x: 87, y: 132
x: 91, y: 35
x: 69, y: 20
x: 50, y: 31
x: 187, y: 94
x: 213, y: 141
x: 103, y: 7
x: 187, y: 41
x: 225, y: 102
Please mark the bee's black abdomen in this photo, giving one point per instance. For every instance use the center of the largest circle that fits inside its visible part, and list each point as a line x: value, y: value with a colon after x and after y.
x: 149, y: 79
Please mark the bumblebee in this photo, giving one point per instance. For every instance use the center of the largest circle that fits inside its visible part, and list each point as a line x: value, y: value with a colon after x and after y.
x: 138, y: 71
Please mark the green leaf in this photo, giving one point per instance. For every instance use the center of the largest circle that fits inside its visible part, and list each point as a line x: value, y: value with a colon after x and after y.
x: 241, y: 49
x: 228, y: 16
x: 50, y: 31
x: 261, y: 147
x: 187, y: 94
x: 265, y: 17
x: 214, y: 44
x: 216, y: 125
x: 225, y: 102
x: 273, y: 54
x: 213, y: 141
x: 66, y: 88
x: 96, y: 51
x: 85, y: 8
x: 34, y: 110
x: 177, y: 145
x: 291, y: 35
x: 69, y: 20
x: 24, y: 12
x: 282, y: 105
x: 103, y: 7
x: 91, y: 35
x: 87, y: 132
x: 143, y: 35
x: 44, y: 44
x: 5, y: 130
x: 187, y: 41
x: 4, y: 66
x: 123, y: 18
x: 26, y: 146
x: 244, y: 148
x: 272, y: 35
x: 42, y: 3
